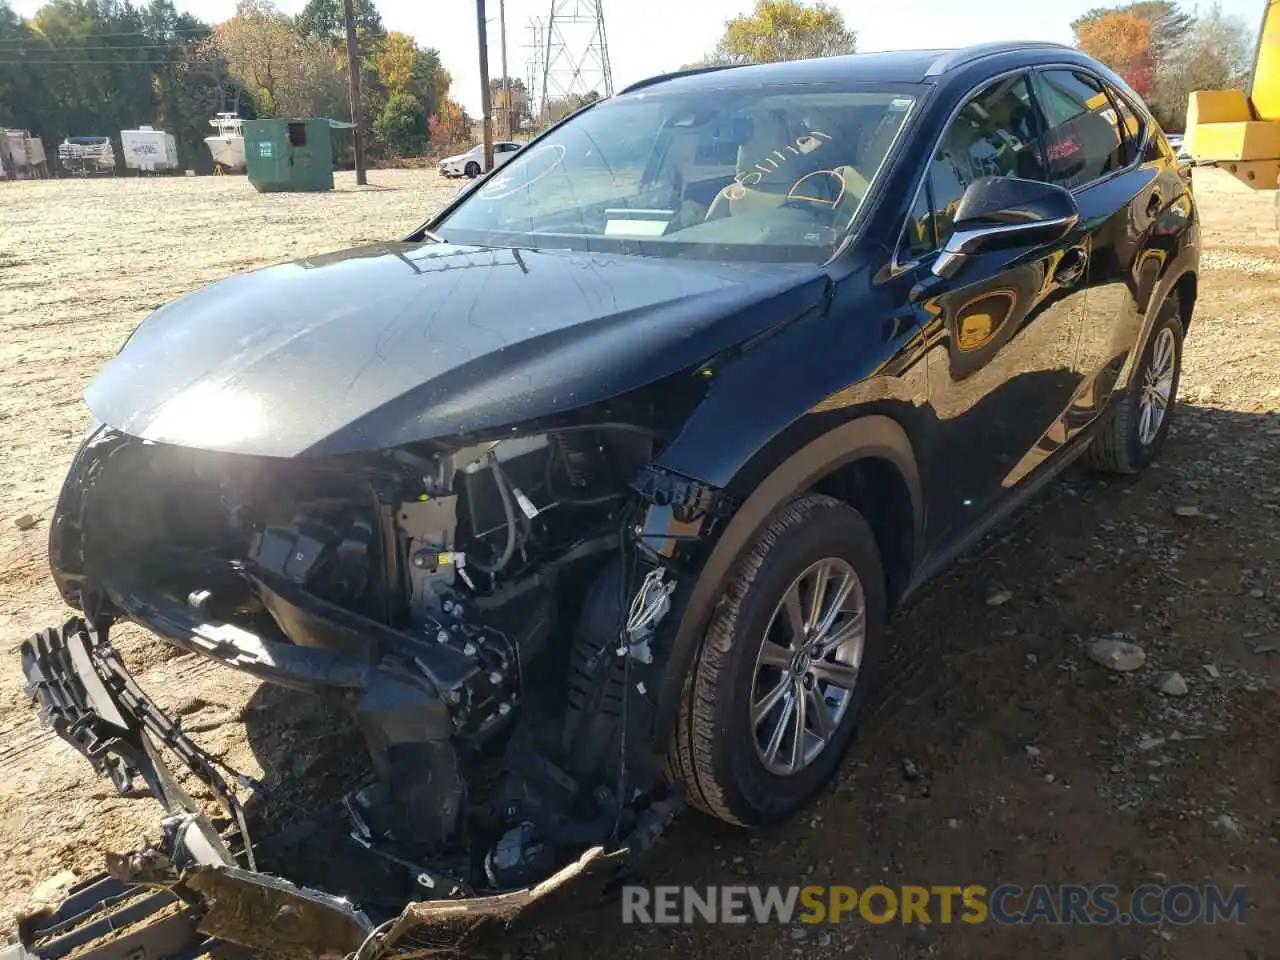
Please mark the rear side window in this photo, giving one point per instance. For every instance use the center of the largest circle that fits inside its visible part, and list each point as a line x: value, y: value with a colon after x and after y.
x: 996, y: 134
x: 1084, y: 141
x: 1130, y: 126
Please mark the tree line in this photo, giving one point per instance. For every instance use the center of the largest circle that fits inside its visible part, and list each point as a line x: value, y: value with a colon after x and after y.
x: 1164, y: 52
x: 96, y: 67
x: 1160, y: 49
x: 99, y: 66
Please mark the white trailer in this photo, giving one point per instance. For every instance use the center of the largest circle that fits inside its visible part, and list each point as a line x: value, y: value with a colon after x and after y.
x: 148, y: 150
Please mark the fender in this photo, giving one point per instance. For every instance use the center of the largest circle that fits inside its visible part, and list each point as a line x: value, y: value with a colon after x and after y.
x: 1185, y: 264
x: 865, y: 437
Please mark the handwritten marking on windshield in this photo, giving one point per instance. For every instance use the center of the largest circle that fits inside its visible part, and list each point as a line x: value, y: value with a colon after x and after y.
x: 805, y: 143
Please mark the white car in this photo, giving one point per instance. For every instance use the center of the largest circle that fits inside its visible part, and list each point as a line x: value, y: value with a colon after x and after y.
x: 471, y: 163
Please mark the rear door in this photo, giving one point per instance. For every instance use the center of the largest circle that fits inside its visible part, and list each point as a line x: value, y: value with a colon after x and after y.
x: 1001, y: 371
x: 1095, y: 142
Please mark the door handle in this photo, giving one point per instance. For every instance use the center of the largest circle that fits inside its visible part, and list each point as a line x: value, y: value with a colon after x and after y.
x: 1071, y: 267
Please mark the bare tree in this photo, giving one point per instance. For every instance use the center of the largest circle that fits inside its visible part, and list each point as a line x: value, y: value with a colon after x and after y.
x: 1215, y: 54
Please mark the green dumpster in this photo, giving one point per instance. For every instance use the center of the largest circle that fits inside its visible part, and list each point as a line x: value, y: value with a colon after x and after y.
x: 293, y: 155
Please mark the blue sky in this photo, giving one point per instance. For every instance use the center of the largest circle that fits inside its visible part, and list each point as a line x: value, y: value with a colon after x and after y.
x: 653, y: 36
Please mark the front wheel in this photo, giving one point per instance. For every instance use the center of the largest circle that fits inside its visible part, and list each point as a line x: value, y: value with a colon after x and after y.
x: 772, y: 703
x: 473, y: 170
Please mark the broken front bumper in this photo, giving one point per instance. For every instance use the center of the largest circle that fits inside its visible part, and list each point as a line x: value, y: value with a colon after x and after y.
x: 198, y: 890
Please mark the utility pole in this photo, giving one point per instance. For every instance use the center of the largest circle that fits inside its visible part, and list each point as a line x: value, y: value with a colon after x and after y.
x: 353, y: 89
x: 484, y: 84
x: 506, y: 80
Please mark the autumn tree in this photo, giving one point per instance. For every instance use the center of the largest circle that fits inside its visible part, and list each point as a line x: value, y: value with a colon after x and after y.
x: 784, y: 30
x: 405, y: 68
x: 395, y: 62
x: 1169, y: 22
x: 450, y: 125
x: 1122, y: 40
x: 1183, y: 52
x: 286, y: 73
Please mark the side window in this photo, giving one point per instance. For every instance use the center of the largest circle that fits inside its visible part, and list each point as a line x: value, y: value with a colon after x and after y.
x: 1084, y: 140
x: 1131, y: 126
x: 996, y: 134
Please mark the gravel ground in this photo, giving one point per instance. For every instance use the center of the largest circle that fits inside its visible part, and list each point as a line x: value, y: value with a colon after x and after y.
x: 1000, y: 750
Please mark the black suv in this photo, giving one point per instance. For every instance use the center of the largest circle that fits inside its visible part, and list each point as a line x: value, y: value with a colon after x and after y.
x: 595, y: 493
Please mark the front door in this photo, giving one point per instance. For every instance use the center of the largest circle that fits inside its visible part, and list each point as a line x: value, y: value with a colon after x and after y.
x: 1093, y: 142
x: 1004, y: 327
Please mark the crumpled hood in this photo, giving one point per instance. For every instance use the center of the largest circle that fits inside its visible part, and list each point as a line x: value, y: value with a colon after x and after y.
x: 385, y: 345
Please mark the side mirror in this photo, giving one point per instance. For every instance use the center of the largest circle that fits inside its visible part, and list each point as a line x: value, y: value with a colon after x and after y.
x: 998, y: 213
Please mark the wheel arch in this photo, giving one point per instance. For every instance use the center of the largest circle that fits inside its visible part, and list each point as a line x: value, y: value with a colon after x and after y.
x: 1186, y: 288
x: 868, y: 462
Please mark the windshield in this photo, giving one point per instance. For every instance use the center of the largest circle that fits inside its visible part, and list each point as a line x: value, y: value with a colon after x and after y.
x: 763, y: 174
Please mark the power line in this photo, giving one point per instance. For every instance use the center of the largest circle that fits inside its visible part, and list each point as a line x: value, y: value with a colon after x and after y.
x: 122, y: 33
x: 96, y: 48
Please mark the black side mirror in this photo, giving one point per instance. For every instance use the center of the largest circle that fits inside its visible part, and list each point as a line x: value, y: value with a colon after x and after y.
x: 998, y: 213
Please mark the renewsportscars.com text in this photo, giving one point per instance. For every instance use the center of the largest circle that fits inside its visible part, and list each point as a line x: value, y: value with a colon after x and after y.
x: 1100, y: 904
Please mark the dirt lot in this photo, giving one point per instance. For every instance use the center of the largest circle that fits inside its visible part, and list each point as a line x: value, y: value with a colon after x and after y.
x: 1027, y: 761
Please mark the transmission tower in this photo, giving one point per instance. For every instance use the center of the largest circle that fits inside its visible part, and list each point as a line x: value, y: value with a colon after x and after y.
x: 533, y: 65
x: 575, y: 61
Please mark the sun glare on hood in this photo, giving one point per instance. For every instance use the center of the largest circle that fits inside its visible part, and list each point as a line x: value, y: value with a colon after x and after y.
x: 219, y: 416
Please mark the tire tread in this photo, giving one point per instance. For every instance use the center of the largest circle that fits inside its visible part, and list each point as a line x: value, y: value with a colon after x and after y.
x: 690, y: 758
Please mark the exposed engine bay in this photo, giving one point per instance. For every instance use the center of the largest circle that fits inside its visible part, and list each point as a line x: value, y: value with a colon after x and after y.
x: 486, y: 611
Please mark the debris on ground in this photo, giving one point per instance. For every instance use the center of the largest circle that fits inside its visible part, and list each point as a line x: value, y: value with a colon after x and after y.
x: 1171, y: 684
x: 998, y: 598
x: 1119, y: 655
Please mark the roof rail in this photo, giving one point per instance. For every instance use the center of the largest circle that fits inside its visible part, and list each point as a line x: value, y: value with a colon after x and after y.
x: 958, y: 58
x: 675, y: 74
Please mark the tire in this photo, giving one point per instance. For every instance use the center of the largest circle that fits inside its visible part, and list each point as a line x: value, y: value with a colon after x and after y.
x: 1125, y: 443
x: 473, y: 170
x: 718, y: 750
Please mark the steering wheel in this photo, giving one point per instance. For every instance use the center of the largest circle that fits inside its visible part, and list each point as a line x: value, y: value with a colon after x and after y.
x: 817, y: 193
x: 811, y: 186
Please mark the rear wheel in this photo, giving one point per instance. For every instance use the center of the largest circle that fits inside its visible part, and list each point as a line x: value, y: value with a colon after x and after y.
x: 771, y: 705
x: 1133, y: 438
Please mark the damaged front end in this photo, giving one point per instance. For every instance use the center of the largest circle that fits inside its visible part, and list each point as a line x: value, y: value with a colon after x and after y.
x: 490, y: 612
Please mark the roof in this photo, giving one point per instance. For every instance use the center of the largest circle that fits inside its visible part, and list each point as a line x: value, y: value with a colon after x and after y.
x: 898, y: 66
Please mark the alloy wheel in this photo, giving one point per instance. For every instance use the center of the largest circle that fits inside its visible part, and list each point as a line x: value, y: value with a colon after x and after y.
x: 808, y: 666
x: 1157, y: 386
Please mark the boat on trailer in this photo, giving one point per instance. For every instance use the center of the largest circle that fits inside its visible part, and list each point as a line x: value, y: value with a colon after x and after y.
x: 227, y: 144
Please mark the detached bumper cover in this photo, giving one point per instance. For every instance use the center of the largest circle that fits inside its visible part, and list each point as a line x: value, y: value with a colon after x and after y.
x: 197, y: 892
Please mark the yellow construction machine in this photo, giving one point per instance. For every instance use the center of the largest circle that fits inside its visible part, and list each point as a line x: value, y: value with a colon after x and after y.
x: 1239, y: 130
